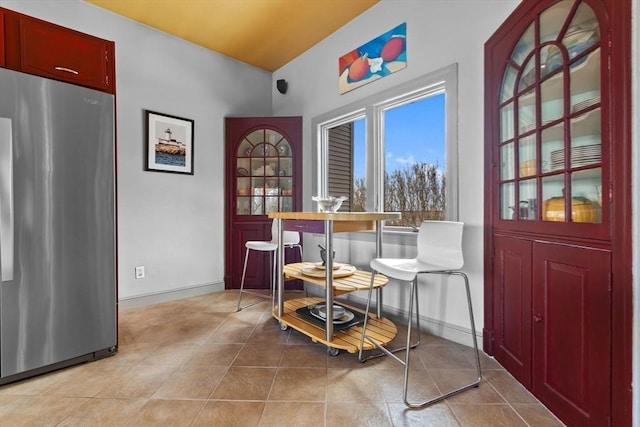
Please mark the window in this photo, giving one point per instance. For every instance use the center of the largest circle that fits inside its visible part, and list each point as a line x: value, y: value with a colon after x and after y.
x: 414, y: 166
x: 394, y: 151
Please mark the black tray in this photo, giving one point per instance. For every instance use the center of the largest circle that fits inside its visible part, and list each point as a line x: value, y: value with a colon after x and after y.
x: 338, y: 324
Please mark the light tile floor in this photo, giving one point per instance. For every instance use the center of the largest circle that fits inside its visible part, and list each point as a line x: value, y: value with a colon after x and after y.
x: 196, y: 362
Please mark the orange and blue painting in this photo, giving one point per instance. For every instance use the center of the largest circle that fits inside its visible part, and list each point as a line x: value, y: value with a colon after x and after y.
x: 378, y: 58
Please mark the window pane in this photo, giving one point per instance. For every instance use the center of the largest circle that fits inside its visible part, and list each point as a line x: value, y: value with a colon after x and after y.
x: 528, y: 74
x: 507, y: 161
x: 527, y: 111
x: 585, y: 81
x: 583, y: 32
x: 414, y: 159
x: 553, y: 195
x: 528, y: 204
x: 506, y: 122
x: 586, y: 192
x: 552, y: 19
x: 359, y: 193
x: 527, y: 162
x: 552, y: 98
x: 507, y: 201
x: 508, y: 82
x: 524, y: 46
x: 346, y: 165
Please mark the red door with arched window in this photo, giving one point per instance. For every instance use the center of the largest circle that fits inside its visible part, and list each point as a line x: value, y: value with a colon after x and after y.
x: 263, y: 175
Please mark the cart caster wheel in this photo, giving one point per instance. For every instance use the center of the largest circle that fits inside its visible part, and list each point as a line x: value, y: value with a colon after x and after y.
x: 283, y: 326
x: 333, y: 352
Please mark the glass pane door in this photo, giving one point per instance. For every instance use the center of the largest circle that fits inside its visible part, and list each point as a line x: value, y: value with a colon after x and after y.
x: 550, y: 146
x: 264, y: 174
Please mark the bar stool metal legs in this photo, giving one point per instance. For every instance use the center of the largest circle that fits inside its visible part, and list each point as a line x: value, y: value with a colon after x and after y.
x: 272, y: 276
x: 271, y: 284
x: 413, y: 301
x: 478, y: 378
x: 383, y: 350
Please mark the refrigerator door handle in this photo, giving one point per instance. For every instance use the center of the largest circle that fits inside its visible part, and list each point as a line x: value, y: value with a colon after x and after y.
x: 6, y: 200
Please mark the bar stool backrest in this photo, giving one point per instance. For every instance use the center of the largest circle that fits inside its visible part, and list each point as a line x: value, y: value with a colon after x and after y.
x: 289, y: 237
x: 440, y: 244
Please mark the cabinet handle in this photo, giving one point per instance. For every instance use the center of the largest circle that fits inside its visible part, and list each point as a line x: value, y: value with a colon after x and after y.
x: 537, y: 318
x: 67, y: 70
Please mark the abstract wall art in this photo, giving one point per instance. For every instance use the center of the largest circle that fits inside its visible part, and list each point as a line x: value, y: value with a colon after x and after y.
x: 375, y: 59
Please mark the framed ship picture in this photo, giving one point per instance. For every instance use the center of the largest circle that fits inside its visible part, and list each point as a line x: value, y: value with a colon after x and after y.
x: 168, y: 143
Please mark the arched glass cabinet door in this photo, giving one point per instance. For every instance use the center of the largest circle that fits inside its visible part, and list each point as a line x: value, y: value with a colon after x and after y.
x: 264, y: 172
x: 550, y: 146
x: 263, y: 168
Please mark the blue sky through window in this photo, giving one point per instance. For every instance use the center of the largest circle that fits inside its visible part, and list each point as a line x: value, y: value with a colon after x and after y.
x: 414, y: 132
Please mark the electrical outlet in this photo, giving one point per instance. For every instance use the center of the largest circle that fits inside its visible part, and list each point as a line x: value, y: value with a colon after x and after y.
x: 140, y: 272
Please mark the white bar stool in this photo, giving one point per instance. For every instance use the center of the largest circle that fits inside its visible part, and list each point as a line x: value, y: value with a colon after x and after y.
x: 439, y: 252
x: 291, y: 239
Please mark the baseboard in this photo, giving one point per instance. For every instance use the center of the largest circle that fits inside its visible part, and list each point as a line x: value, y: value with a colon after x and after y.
x: 436, y: 327
x: 159, y: 297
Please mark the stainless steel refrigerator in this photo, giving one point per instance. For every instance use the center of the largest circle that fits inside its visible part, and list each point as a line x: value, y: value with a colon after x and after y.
x: 57, y: 225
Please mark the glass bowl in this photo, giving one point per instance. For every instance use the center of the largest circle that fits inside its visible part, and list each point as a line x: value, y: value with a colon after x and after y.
x: 329, y: 203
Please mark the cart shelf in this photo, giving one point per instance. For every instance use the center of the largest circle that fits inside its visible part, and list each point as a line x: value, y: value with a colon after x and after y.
x: 381, y: 330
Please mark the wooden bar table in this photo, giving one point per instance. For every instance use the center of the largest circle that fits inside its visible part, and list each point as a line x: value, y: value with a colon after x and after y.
x: 327, y: 223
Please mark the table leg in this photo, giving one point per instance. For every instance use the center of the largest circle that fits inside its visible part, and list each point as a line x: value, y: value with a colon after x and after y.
x: 379, y: 255
x: 328, y: 244
x: 279, y: 266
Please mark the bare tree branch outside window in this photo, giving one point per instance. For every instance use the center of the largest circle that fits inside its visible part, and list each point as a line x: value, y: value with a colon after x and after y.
x: 417, y: 191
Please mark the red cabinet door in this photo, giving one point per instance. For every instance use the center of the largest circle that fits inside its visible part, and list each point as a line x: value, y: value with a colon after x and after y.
x: 52, y: 51
x: 572, y: 332
x: 2, y: 41
x: 263, y: 175
x: 38, y: 47
x: 512, y: 306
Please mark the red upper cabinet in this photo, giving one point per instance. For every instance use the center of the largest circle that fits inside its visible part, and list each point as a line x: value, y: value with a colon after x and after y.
x: 2, y: 38
x: 38, y: 47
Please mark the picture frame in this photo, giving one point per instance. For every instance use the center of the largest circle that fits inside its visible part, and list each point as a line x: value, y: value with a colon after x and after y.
x: 168, y: 143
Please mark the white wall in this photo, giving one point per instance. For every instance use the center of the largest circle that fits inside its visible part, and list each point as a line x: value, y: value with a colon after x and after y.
x: 438, y: 35
x: 171, y: 224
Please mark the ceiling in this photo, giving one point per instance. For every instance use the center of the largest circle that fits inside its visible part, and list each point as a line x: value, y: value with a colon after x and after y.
x: 264, y: 33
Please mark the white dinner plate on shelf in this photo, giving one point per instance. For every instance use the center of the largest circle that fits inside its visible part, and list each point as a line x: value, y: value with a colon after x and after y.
x: 338, y: 311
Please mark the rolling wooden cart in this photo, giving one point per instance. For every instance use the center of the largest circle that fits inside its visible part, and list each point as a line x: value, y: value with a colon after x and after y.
x: 286, y: 312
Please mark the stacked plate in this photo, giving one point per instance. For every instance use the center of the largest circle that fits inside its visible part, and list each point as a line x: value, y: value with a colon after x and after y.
x: 557, y: 159
x: 585, y: 104
x: 340, y: 314
x: 580, y: 156
x: 585, y: 155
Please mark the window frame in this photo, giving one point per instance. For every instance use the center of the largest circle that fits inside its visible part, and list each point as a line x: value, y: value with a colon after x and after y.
x: 372, y: 108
